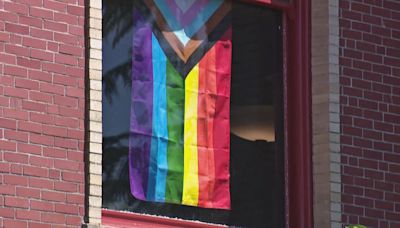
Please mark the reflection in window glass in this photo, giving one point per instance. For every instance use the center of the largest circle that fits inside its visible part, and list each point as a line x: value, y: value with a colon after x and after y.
x: 256, y: 120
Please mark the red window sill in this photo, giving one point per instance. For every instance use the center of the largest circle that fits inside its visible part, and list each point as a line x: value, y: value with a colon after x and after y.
x: 110, y: 218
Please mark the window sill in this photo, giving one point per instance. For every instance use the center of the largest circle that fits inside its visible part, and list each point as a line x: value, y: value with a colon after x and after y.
x: 111, y: 218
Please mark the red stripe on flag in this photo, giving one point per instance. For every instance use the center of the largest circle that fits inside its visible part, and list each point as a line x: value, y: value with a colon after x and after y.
x: 221, y: 133
x: 205, y: 123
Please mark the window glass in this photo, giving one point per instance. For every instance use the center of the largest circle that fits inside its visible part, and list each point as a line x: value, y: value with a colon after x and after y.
x: 256, y: 119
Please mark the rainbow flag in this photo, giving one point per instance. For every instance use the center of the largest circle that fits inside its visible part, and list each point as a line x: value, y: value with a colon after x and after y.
x: 181, y: 72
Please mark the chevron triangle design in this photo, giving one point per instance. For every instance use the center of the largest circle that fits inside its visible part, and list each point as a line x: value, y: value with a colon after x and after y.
x: 186, y: 24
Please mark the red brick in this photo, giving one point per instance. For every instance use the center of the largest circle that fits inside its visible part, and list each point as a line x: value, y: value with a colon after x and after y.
x: 75, y: 72
x: 51, y: 88
x: 15, y: 135
x: 16, y: 202
x: 54, y: 153
x: 41, y: 13
x: 65, y: 186
x: 54, y: 68
x: 41, y: 162
x: 66, y: 38
x: 29, y: 126
x: 14, y: 223
x: 54, y: 131
x: 6, y: 58
x: 41, y: 183
x: 15, y: 7
x: 64, y: 80
x: 66, y: 18
x: 7, y: 212
x: 54, y: 196
x: 30, y: 21
x: 53, y: 218
x: 75, y: 92
x: 17, y: 29
x: 55, y: 174
x: 28, y: 63
x: 27, y: 84
x: 43, y: 34
x: 75, y: 198
x: 15, y: 180
x: 41, y: 118
x: 28, y: 215
x: 38, y: 225
x: 33, y: 106
x: 76, y: 134
x: 76, y: 30
x: 74, y: 220
x: 73, y: 177
x: 54, y: 5
x: 28, y: 192
x: 8, y: 123
x: 75, y: 10
x: 55, y: 26
x: 66, y: 122
x: 16, y: 157
x: 41, y: 139
x: 67, y: 209
x: 41, y: 205
x: 66, y: 59
x: 65, y: 143
x: 42, y: 55
x: 16, y: 92
x: 9, y: 16
x: 66, y: 101
x: 40, y: 76
x: 16, y: 71
x: 35, y: 171
x: 7, y: 189
x: 16, y: 169
x: 52, y: 46
x: 71, y: 50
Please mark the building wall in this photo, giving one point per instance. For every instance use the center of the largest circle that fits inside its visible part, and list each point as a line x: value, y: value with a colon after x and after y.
x: 370, y: 111
x: 42, y: 113
x: 325, y: 113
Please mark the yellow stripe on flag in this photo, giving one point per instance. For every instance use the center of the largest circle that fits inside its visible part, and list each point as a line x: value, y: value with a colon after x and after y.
x: 190, y: 176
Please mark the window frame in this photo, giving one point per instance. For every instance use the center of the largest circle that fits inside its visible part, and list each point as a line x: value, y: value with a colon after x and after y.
x: 297, y: 125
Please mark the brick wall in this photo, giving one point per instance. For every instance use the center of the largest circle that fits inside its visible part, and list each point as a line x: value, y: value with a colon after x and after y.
x: 41, y: 113
x: 370, y: 111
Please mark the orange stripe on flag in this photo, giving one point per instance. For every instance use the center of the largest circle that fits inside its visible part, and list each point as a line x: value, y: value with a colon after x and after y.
x: 205, y: 126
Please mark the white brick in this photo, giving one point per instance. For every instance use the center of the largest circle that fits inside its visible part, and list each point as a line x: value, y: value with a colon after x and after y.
x: 95, y: 201
x: 95, y: 190
x: 96, y: 4
x: 95, y: 116
x: 95, y: 85
x: 95, y: 74
x: 95, y: 95
x: 95, y: 64
x: 95, y: 147
x: 95, y: 43
x: 95, y: 13
x: 95, y: 212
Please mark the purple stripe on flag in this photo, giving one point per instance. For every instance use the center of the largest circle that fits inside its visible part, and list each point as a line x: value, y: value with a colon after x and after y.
x: 141, y: 107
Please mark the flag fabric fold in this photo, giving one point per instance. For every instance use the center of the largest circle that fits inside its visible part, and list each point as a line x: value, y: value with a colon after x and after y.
x: 179, y: 124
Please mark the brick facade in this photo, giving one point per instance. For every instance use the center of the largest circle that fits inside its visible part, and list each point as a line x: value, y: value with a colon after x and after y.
x: 370, y: 112
x: 42, y: 107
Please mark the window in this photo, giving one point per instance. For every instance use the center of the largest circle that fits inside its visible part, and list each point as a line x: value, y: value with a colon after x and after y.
x: 257, y: 147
